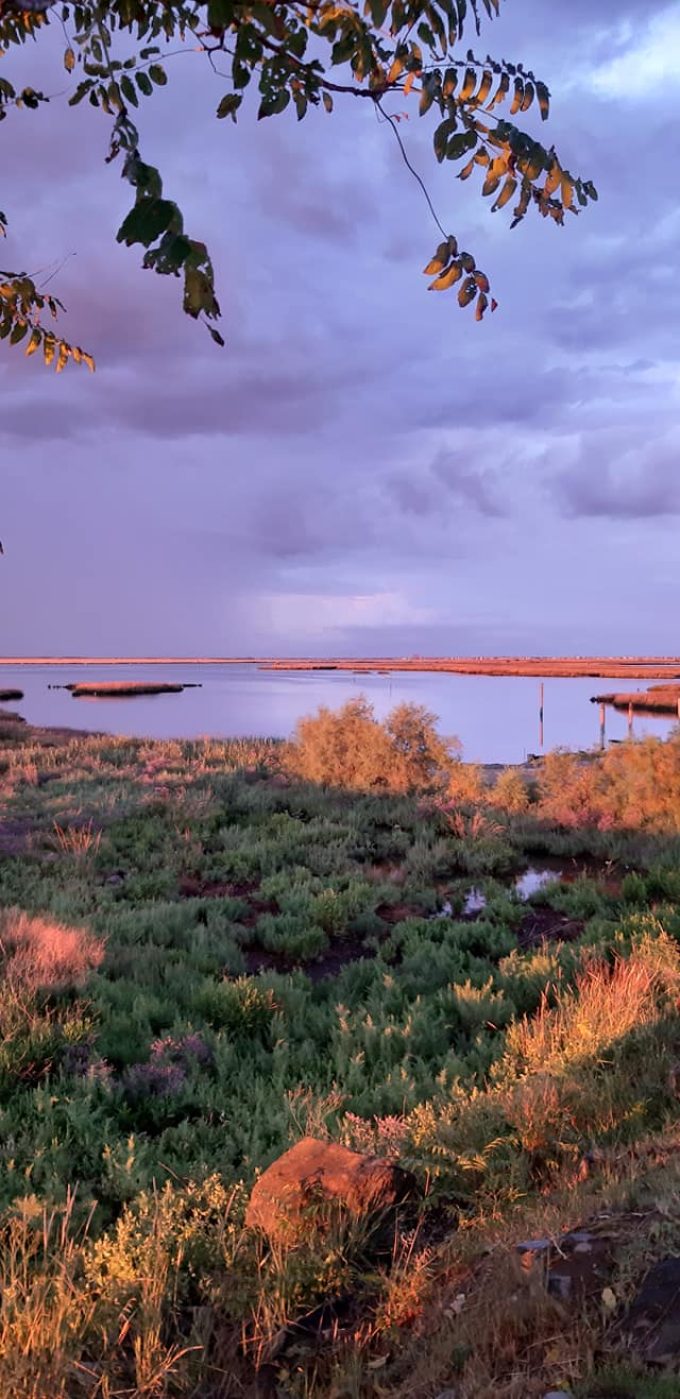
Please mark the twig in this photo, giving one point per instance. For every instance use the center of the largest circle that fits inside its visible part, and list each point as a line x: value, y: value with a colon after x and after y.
x: 409, y: 166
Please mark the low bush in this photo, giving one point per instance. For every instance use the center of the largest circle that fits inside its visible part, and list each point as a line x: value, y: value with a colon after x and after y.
x: 350, y: 748
x: 632, y: 785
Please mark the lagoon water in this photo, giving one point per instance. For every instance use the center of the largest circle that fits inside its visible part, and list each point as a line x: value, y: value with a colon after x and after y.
x: 495, y: 717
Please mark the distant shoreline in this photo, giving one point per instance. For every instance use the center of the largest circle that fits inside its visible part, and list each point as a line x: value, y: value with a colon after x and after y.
x: 548, y: 667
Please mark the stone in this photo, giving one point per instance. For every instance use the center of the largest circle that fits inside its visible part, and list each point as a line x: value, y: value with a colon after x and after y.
x: 313, y: 1172
x: 652, y: 1322
x: 559, y: 1285
x: 534, y: 1246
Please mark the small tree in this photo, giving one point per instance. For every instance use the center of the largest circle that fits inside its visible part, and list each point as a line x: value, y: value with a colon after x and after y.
x: 348, y: 747
x: 425, y: 758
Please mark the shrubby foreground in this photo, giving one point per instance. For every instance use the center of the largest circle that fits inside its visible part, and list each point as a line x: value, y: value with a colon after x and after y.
x: 207, y: 954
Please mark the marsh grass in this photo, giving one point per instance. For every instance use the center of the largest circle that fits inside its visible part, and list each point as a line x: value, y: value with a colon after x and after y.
x: 79, y: 841
x: 143, y: 1063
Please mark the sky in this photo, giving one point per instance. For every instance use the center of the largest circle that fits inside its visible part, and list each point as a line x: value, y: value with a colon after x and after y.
x: 363, y: 470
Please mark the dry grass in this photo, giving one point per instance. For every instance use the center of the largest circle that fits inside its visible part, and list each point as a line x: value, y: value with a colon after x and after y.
x: 44, y: 1310
x: 80, y: 841
x: 38, y: 954
x: 606, y: 1003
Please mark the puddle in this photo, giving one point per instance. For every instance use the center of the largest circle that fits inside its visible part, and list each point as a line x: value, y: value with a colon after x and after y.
x: 475, y: 901
x: 534, y: 879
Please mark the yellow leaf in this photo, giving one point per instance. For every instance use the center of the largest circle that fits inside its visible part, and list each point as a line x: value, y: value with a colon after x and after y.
x: 485, y: 88
x: 409, y: 83
x: 447, y: 279
x: 567, y: 191
x: 469, y: 85
x: 69, y: 60
x: 33, y: 343
x: 496, y: 170
x: 88, y: 360
x: 506, y: 193
x: 49, y: 347
x: 553, y: 179
x: 62, y: 359
x: 518, y: 98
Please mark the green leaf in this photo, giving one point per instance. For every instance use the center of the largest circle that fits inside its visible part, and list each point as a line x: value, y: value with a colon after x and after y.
x: 441, y: 136
x: 144, y: 83
x: 129, y: 90
x: 146, y: 221
x: 199, y: 294
x: 229, y: 105
x: 271, y: 106
x: 377, y: 9
x: 158, y: 75
x: 460, y: 145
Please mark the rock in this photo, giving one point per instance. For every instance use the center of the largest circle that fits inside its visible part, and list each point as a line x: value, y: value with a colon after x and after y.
x: 653, y: 1318
x: 574, y: 1267
x: 534, y: 1246
x: 315, y: 1171
x: 559, y: 1285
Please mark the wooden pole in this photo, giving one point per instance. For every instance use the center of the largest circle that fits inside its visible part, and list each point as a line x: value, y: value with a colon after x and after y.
x: 540, y: 715
x: 602, y: 726
x: 630, y: 720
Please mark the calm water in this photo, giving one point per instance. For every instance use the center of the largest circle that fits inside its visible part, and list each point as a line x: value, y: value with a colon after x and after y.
x: 496, y: 718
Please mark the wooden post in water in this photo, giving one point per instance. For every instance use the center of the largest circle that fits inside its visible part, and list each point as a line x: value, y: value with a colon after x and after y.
x: 540, y: 716
x: 630, y: 720
x: 602, y: 726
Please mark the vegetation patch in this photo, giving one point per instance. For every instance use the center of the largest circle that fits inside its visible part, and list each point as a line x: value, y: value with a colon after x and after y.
x: 206, y: 958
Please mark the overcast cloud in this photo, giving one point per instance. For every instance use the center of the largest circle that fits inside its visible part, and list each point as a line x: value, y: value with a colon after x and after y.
x: 363, y: 468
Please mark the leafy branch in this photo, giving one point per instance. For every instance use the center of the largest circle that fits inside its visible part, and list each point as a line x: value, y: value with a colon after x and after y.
x: 299, y: 53
x: 21, y: 306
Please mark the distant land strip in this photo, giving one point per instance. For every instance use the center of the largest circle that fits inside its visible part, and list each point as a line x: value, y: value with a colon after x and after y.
x: 594, y: 667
